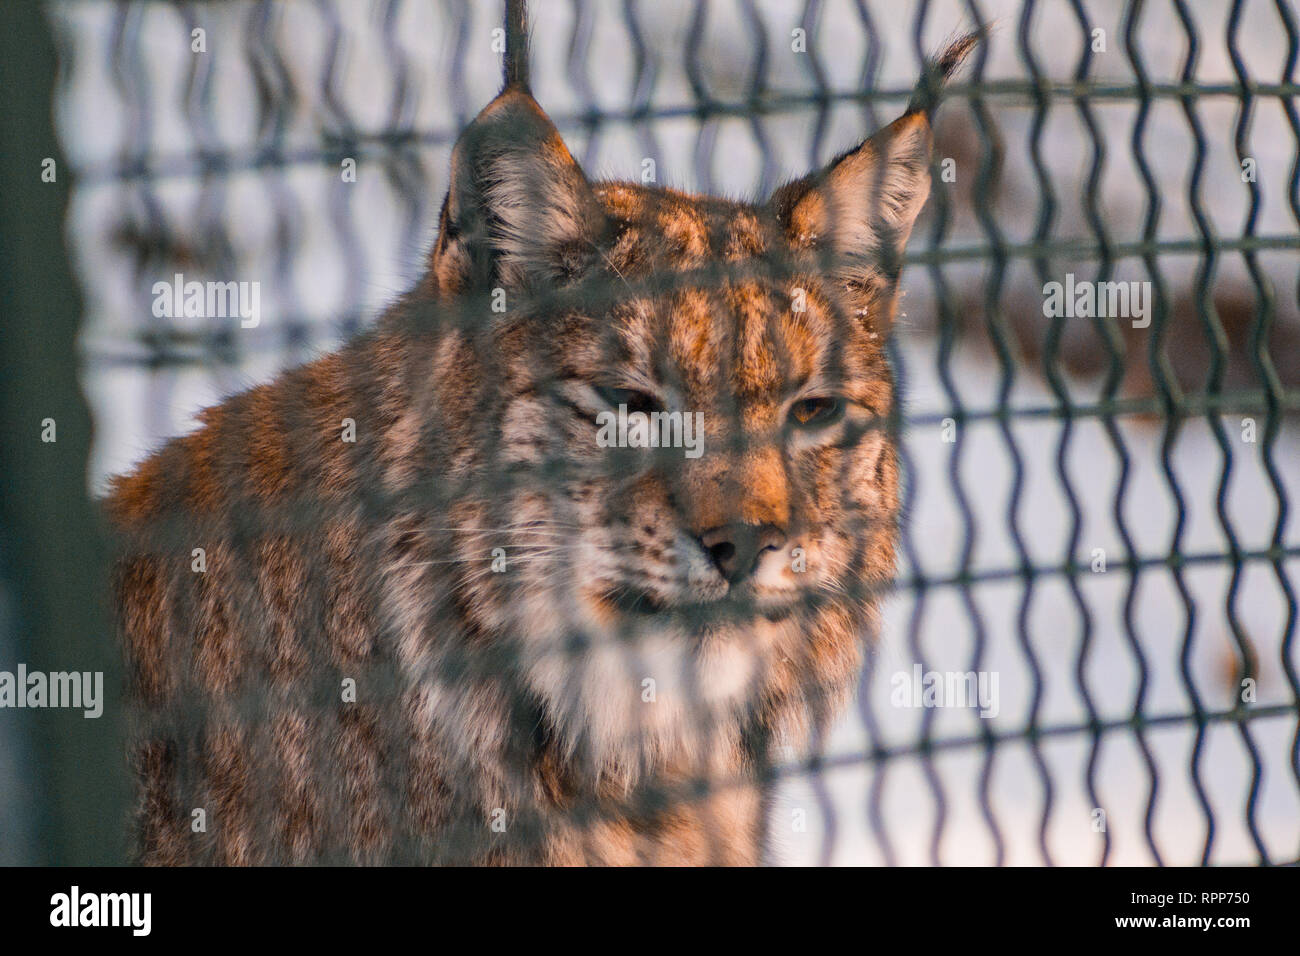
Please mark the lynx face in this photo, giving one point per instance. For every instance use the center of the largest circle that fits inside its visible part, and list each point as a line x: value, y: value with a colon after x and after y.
x: 660, y: 594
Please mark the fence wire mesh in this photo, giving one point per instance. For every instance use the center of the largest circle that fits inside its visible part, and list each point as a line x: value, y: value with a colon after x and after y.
x: 1096, y: 510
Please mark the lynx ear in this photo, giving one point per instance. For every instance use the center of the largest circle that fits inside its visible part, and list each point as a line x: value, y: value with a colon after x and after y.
x: 519, y: 210
x: 863, y: 205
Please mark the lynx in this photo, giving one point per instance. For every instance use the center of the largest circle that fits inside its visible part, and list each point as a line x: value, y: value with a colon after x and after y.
x: 399, y: 605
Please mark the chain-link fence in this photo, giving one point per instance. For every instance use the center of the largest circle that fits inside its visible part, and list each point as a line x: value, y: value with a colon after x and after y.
x: 1087, y: 654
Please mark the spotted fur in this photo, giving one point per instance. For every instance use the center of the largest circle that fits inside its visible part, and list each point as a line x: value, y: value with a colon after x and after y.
x: 612, y: 695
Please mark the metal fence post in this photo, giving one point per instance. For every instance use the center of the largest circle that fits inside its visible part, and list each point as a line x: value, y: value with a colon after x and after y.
x: 54, y: 542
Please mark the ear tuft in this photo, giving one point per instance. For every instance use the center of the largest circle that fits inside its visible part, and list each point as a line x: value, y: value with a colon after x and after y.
x: 941, y: 69
x: 519, y: 210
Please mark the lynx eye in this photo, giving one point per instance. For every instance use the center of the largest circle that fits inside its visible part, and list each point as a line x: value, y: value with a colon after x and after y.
x: 634, y: 400
x: 816, y: 412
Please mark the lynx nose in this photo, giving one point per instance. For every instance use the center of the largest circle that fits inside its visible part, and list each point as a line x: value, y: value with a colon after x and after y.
x: 737, y: 548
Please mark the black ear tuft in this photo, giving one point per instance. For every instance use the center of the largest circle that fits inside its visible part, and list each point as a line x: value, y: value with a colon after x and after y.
x: 941, y: 69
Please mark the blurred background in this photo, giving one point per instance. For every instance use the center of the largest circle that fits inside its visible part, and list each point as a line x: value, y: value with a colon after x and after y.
x: 1101, y: 139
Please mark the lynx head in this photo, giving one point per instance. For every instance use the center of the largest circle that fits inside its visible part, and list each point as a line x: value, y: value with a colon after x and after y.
x: 732, y: 573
